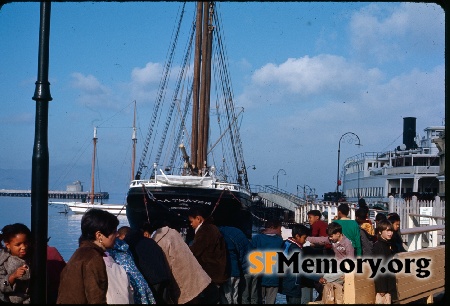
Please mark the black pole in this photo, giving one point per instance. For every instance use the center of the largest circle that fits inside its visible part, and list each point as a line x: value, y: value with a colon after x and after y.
x: 40, y: 166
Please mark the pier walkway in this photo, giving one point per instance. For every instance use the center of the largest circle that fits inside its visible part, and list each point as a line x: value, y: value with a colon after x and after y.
x: 52, y: 194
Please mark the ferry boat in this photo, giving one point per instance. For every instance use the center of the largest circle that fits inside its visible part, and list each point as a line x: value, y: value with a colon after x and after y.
x: 412, y: 168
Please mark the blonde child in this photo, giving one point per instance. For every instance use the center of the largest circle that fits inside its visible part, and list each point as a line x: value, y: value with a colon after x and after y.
x: 14, y: 264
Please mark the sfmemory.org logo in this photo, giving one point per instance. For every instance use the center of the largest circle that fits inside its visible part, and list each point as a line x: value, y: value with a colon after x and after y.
x: 270, y: 262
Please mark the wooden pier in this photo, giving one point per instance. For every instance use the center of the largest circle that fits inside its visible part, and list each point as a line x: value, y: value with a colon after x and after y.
x: 52, y: 194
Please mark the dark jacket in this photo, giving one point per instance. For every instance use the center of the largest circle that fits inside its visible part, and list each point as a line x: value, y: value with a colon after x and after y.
x: 55, y: 264
x: 366, y: 243
x: 397, y: 239
x: 211, y: 252
x: 385, y: 282
x: 84, y: 279
x: 268, y: 242
x: 238, y: 247
x: 290, y: 282
x: 149, y: 258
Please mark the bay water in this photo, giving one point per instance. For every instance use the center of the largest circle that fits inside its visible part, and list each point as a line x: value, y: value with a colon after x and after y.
x: 64, y: 228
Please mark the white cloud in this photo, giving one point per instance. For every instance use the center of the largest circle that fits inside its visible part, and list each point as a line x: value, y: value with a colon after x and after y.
x: 322, y: 77
x: 93, y: 94
x: 88, y: 84
x: 151, y: 73
x: 392, y: 34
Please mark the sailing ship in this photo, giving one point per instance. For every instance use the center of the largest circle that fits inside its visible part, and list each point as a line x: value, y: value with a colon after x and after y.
x: 207, y: 168
x: 412, y: 168
x: 81, y: 207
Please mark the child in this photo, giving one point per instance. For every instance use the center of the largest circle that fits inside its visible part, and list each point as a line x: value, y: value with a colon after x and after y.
x: 366, y: 232
x: 121, y: 254
x: 385, y: 287
x: 394, y: 218
x: 269, y: 240
x: 14, y: 264
x: 55, y: 264
x: 119, y: 286
x: 343, y: 249
x: 151, y: 262
x: 210, y: 249
x: 319, y: 229
x: 349, y: 227
x: 84, y: 279
x: 290, y: 284
x: 188, y: 283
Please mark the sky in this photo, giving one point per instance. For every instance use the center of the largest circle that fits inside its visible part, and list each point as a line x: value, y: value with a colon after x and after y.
x: 305, y: 73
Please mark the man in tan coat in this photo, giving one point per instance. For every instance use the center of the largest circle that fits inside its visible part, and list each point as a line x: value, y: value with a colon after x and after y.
x: 189, y: 277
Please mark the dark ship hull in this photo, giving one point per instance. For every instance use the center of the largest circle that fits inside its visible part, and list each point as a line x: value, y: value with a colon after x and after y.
x: 170, y: 204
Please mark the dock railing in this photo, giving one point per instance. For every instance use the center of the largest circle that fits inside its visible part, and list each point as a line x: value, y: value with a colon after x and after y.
x: 422, y: 223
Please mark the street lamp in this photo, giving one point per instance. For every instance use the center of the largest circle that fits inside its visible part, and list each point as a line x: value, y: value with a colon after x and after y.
x: 278, y: 173
x: 304, y: 191
x: 350, y: 140
x: 297, y: 189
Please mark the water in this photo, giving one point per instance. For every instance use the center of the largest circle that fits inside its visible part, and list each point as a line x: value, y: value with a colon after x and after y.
x: 63, y: 228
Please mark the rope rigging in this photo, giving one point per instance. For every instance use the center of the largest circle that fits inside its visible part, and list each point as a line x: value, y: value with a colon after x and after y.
x: 168, y: 153
x: 160, y: 96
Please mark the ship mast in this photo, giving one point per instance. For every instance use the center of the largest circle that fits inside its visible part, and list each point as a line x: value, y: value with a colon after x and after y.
x: 202, y: 85
x: 134, y: 139
x: 93, y: 165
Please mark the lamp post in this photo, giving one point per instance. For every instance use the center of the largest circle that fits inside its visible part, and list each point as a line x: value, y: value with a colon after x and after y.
x: 304, y: 191
x: 350, y: 140
x: 358, y: 179
x: 278, y: 173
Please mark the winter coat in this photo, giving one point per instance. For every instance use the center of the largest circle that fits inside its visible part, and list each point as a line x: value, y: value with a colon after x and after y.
x: 211, y: 252
x: 18, y: 293
x: 142, y: 294
x: 189, y: 277
x: 84, y: 279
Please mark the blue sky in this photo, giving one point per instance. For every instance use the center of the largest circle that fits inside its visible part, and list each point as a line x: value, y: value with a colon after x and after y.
x: 304, y: 72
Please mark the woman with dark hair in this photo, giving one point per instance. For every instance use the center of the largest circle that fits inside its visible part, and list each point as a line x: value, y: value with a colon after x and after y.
x: 84, y: 279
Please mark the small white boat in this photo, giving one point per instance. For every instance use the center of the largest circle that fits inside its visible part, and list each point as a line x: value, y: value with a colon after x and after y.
x: 82, y: 207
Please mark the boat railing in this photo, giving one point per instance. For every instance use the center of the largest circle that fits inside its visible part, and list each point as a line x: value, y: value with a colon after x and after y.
x: 411, y: 169
x: 140, y: 182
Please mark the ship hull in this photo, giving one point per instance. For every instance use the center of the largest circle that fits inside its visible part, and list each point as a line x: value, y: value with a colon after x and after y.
x: 172, y: 203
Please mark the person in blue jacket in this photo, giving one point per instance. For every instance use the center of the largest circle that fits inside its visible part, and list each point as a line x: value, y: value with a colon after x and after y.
x: 269, y: 240
x: 290, y: 283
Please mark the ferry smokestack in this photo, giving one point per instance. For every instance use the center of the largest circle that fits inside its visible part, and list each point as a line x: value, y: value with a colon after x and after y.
x: 409, y: 133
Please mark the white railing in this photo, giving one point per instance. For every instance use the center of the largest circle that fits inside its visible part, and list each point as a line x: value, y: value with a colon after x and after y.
x: 420, y: 221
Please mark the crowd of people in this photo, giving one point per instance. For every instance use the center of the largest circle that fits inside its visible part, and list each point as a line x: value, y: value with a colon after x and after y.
x: 154, y: 265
